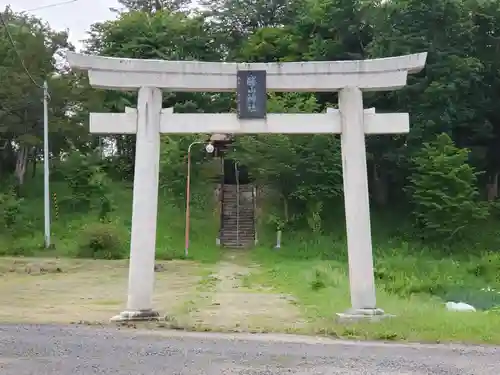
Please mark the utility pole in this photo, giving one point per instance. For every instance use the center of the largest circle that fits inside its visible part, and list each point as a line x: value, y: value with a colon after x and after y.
x: 46, y: 164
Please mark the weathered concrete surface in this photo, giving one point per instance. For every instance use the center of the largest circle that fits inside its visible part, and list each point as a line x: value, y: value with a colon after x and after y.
x: 40, y: 350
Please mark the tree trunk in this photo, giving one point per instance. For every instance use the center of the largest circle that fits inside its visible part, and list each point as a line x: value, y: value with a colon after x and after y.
x: 380, y: 186
x: 492, y: 188
x: 21, y: 163
x: 286, y: 209
x: 33, y: 171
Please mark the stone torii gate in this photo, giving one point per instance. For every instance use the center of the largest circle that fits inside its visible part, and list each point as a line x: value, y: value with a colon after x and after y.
x: 349, y: 78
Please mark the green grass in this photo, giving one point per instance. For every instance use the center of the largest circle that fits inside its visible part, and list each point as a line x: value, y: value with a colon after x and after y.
x: 411, y: 284
x: 68, y: 225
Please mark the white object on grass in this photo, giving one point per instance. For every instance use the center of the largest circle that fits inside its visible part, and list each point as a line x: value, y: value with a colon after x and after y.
x: 460, y: 306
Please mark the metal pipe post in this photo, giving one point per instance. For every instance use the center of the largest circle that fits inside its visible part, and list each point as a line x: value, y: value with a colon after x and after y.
x: 46, y: 170
x: 188, y: 198
x: 237, y: 175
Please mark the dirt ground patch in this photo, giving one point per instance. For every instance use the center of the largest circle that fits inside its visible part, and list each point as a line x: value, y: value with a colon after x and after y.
x: 225, y: 302
x: 192, y: 296
x: 65, y: 290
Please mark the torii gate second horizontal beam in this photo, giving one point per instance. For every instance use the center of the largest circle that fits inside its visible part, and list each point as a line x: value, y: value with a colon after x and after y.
x: 275, y: 123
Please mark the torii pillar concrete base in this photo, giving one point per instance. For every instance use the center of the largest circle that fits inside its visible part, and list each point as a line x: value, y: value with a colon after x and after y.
x: 128, y: 316
x: 356, y: 315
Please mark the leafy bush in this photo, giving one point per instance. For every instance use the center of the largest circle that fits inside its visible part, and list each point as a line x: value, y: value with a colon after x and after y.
x: 13, y: 216
x: 486, y: 268
x: 443, y: 190
x: 16, y: 250
x: 11, y: 209
x: 101, y: 241
x: 89, y: 184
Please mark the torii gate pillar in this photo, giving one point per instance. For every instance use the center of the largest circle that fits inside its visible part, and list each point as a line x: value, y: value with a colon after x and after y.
x: 349, y: 78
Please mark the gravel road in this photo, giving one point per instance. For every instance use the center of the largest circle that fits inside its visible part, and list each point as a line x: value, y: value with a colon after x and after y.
x: 41, y: 350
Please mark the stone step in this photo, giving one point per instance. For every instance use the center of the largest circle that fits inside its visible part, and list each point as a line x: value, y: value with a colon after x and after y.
x: 242, y: 187
x: 235, y: 193
x: 247, y: 226
x: 228, y: 236
x: 233, y: 241
x: 234, y: 225
x: 233, y: 238
x: 234, y: 231
x: 241, y: 231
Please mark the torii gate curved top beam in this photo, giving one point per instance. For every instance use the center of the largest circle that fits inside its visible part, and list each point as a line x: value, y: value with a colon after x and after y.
x: 315, y: 76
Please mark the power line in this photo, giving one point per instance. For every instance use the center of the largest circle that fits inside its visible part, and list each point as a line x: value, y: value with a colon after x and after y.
x: 51, y: 5
x: 13, y: 44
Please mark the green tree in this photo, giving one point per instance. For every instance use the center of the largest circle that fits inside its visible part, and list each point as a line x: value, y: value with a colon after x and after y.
x: 443, y: 190
x: 448, y: 96
x: 29, y: 44
x: 152, y: 6
x: 164, y: 35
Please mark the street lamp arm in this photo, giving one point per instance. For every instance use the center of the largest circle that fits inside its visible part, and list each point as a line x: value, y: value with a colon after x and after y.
x: 192, y: 144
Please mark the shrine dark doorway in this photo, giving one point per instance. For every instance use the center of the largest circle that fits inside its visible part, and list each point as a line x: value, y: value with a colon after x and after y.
x: 235, y: 173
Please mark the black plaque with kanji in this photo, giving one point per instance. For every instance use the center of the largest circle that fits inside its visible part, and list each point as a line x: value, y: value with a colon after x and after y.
x: 251, y: 94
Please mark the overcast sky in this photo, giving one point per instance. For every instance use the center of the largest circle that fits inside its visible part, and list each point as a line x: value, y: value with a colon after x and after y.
x: 76, y: 17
